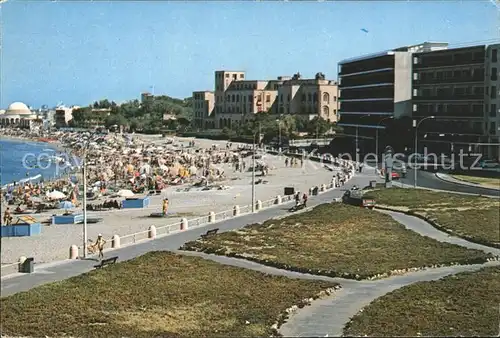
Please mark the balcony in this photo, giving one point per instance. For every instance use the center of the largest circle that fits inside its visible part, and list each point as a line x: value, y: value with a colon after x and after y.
x: 363, y: 120
x: 450, y: 58
x: 450, y: 97
x: 369, y: 92
x: 362, y: 107
x: 460, y: 79
x: 383, y: 62
x: 365, y: 79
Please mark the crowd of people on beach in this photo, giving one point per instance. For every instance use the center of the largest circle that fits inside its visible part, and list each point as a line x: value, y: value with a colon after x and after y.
x: 117, y: 162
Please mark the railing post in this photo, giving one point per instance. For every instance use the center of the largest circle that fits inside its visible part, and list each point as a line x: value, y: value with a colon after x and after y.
x: 258, y: 205
x: 115, y: 242
x: 152, y: 232
x: 278, y: 200
x: 211, y: 217
x: 73, y: 252
x: 184, y: 224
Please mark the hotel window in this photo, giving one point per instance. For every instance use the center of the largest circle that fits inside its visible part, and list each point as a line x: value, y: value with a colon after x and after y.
x: 415, y: 76
x: 415, y: 107
x: 493, y: 92
x: 235, y: 76
x: 493, y: 110
x: 415, y: 92
x: 494, y: 74
x: 242, y: 76
x: 237, y: 98
x: 335, y: 99
x: 288, y: 98
x: 268, y: 98
x: 227, y: 76
x: 303, y: 97
x: 415, y: 60
x: 494, y: 55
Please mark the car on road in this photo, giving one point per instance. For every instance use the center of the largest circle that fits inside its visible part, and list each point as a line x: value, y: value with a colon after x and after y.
x: 395, y: 175
x: 488, y: 164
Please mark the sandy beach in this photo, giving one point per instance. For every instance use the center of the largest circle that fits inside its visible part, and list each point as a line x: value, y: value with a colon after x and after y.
x: 54, y: 241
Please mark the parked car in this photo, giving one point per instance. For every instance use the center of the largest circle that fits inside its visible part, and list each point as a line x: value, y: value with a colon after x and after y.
x: 355, y: 197
x: 395, y: 175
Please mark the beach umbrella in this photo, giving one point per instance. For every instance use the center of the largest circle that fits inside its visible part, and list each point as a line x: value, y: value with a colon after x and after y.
x: 66, y: 205
x: 55, y: 195
x: 125, y: 193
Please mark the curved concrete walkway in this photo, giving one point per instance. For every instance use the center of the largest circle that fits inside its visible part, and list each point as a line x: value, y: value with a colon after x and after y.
x: 328, y: 316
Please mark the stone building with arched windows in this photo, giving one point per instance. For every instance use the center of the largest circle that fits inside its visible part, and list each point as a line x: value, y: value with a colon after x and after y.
x: 17, y: 115
x: 236, y: 100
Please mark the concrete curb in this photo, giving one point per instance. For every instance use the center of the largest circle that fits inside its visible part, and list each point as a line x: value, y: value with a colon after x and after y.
x: 440, y: 227
x: 440, y: 177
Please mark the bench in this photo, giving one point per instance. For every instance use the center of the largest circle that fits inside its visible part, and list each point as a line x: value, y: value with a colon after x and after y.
x: 210, y: 233
x: 106, y: 262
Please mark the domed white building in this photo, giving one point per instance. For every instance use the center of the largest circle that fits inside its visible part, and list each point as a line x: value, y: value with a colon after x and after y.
x: 18, y: 115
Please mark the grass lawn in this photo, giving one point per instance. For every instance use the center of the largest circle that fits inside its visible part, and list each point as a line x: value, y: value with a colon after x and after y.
x: 158, y: 294
x: 466, y: 304
x: 472, y: 217
x: 335, y: 240
x: 488, y: 181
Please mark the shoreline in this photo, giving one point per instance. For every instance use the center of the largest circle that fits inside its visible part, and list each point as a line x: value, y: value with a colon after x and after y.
x: 54, y: 146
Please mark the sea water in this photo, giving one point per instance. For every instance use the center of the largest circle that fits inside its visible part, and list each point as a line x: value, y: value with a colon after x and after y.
x: 21, y: 161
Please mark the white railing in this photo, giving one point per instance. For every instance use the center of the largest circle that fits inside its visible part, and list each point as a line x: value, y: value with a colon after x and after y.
x: 164, y: 230
x: 7, y: 269
x: 214, y: 217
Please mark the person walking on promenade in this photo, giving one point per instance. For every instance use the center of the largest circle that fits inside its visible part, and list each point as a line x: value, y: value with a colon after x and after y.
x: 100, y: 242
x: 304, y: 200
x: 165, y: 206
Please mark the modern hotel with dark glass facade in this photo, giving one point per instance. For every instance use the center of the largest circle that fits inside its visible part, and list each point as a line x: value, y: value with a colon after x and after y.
x: 375, y: 88
x: 459, y: 87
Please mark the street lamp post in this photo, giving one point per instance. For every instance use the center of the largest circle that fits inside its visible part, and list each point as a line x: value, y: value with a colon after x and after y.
x: 357, y: 133
x: 416, y: 147
x: 84, y: 173
x: 279, y: 134
x: 253, y: 167
x: 253, y: 174
x: 376, y: 138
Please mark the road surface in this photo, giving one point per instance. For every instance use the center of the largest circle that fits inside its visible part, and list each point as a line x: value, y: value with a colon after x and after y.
x: 426, y: 179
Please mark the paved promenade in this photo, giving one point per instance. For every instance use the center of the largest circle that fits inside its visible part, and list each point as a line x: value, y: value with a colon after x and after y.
x: 51, y: 272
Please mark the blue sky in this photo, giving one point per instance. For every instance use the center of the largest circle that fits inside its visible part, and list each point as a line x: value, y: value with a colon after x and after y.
x: 78, y: 52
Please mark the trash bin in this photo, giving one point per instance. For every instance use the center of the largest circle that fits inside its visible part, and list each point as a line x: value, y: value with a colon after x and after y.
x: 27, y: 266
x: 289, y: 191
x: 373, y: 184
